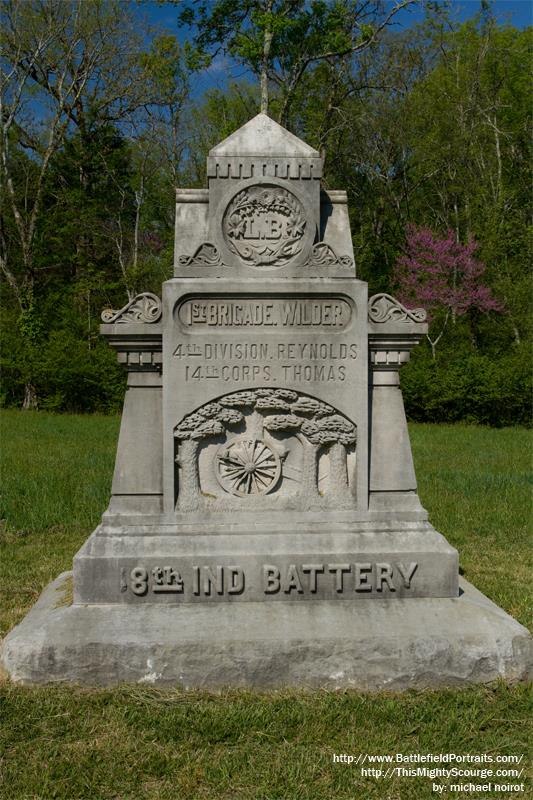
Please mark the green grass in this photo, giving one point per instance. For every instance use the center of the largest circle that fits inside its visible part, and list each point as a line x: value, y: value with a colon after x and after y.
x: 134, y: 743
x: 56, y: 473
x: 141, y: 743
x: 476, y: 484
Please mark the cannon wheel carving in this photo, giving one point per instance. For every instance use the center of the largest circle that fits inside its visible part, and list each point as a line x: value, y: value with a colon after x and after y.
x: 247, y: 467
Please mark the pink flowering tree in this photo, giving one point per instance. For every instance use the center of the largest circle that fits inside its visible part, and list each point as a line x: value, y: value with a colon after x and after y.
x: 444, y: 277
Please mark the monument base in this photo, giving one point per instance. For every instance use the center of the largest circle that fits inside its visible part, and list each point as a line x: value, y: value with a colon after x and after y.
x: 357, y: 559
x: 368, y: 645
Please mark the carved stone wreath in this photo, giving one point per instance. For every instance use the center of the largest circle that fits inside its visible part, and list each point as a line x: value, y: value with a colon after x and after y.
x: 264, y: 226
x: 247, y: 467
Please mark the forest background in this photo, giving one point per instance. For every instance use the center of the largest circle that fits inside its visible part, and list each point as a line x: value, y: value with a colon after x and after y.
x: 426, y: 124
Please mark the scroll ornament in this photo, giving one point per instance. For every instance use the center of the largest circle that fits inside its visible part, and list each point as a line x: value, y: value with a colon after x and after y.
x: 144, y: 308
x: 206, y: 255
x: 323, y: 255
x: 384, y: 308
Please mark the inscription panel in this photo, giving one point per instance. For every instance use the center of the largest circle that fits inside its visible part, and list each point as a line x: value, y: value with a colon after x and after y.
x: 307, y: 358
x: 266, y: 362
x: 297, y: 314
x: 308, y: 341
x: 313, y: 578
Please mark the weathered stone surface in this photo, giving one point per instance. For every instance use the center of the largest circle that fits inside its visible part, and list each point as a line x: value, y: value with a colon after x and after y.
x: 409, y: 561
x: 302, y: 358
x: 368, y: 645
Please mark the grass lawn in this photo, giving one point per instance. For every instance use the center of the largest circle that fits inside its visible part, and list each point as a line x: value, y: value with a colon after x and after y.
x: 142, y: 743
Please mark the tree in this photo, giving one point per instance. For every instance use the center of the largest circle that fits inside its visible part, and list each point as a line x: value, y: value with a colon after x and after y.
x: 211, y: 119
x: 165, y: 68
x: 353, y: 111
x: 443, y: 276
x: 65, y: 66
x: 467, y: 124
x: 208, y: 421
x: 279, y: 40
x: 303, y: 413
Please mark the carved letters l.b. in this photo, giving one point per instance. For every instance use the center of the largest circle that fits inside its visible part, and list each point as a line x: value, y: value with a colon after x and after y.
x: 264, y: 225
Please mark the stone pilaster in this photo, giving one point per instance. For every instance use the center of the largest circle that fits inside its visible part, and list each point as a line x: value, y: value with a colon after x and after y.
x: 137, y: 338
x: 393, y: 332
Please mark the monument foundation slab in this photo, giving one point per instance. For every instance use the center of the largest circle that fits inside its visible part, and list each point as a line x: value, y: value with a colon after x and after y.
x: 368, y: 645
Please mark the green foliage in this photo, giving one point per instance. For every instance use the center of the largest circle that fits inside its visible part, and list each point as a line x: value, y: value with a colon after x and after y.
x: 216, y: 116
x: 429, y: 126
x: 70, y: 369
x: 470, y: 387
x: 163, y: 65
x: 280, y: 40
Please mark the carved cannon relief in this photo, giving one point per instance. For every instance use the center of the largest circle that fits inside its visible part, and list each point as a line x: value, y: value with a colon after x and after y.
x: 266, y: 447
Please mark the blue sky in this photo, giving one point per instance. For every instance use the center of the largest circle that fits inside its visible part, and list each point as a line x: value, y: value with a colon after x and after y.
x: 515, y: 12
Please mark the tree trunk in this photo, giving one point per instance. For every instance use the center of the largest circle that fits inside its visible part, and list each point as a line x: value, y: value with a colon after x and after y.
x: 309, y: 484
x: 30, y: 397
x: 189, y: 483
x: 457, y: 239
x: 498, y: 156
x: 267, y: 44
x: 338, y: 472
x: 254, y: 426
x: 434, y: 342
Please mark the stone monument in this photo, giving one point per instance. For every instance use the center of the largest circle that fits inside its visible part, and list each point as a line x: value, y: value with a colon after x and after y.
x: 264, y: 527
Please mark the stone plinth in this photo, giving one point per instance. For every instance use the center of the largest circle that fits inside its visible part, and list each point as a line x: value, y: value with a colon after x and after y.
x: 350, y: 561
x: 370, y: 645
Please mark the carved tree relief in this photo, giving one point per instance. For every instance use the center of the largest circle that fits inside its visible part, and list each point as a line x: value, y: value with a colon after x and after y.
x: 248, y: 464
x: 209, y: 421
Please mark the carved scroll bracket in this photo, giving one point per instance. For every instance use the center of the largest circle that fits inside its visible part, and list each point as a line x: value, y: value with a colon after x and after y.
x: 135, y: 334
x: 385, y: 308
x: 323, y: 255
x: 206, y: 255
x: 146, y: 308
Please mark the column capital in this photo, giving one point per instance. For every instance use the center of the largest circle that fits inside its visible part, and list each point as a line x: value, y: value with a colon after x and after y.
x: 388, y: 351
x: 136, y: 334
x: 393, y: 331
